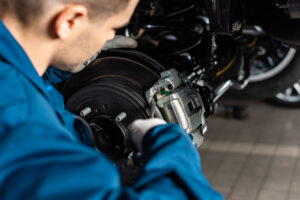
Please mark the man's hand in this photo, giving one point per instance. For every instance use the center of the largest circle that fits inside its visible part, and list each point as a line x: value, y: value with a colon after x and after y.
x: 139, y: 128
x: 120, y: 42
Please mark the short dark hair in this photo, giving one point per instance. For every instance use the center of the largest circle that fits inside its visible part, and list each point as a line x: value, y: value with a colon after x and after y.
x: 26, y: 10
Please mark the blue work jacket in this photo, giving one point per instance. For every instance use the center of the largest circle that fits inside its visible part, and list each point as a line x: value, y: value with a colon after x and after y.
x: 45, y: 152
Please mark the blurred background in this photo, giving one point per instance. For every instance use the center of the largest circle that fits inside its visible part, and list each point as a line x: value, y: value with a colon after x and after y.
x: 253, y: 154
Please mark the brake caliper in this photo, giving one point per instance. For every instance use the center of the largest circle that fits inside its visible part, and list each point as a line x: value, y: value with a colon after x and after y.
x: 174, y: 100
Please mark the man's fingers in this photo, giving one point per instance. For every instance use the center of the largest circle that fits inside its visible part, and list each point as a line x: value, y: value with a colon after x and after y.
x: 139, y: 128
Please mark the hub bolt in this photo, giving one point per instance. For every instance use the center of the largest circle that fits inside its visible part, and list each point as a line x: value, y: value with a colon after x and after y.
x: 121, y: 117
x: 85, y: 112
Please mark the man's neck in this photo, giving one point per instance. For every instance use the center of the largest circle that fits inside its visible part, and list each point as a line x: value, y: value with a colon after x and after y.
x: 34, y: 46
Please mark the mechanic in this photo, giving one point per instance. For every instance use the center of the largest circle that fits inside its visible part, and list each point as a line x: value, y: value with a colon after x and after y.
x: 45, y: 151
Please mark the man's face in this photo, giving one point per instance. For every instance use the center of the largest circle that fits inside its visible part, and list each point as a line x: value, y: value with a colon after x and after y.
x: 89, y: 39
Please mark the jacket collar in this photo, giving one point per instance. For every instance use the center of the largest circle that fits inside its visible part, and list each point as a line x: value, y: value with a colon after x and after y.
x: 15, y: 56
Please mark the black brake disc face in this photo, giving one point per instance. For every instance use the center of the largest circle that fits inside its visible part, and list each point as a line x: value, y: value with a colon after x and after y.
x: 111, y: 85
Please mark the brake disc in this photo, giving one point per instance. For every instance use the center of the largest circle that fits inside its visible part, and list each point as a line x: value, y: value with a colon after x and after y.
x: 110, y: 88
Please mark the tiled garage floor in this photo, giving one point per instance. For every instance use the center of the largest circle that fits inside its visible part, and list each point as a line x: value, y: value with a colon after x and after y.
x: 257, y: 158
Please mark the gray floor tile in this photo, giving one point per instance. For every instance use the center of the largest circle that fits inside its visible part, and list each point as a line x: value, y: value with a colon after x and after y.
x: 285, y: 162
x: 280, y: 183
x: 272, y: 195
x: 223, y: 190
x: 292, y: 138
x: 295, y: 185
x: 248, y: 180
x: 224, y: 180
x: 229, y: 166
x: 243, y: 193
x: 294, y: 196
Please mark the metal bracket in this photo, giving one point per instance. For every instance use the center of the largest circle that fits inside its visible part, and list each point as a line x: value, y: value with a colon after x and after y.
x: 175, y: 101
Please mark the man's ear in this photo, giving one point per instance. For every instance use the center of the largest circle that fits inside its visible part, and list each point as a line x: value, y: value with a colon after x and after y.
x: 69, y: 20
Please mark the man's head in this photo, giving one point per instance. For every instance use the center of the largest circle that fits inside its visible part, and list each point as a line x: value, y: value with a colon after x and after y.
x: 73, y: 29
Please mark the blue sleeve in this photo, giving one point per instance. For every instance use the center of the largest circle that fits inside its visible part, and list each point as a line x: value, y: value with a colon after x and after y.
x: 169, y: 153
x: 55, y: 76
x: 39, y: 163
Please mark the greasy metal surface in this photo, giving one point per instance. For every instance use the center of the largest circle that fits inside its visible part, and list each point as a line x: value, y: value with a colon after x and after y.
x: 179, y: 103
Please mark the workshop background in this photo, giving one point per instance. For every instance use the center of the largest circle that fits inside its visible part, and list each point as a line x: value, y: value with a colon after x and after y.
x: 254, y: 158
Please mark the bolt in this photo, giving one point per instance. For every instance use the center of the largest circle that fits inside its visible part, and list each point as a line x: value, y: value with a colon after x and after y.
x: 261, y: 51
x: 130, y: 155
x: 170, y: 87
x: 121, y: 117
x: 236, y: 26
x: 85, y: 112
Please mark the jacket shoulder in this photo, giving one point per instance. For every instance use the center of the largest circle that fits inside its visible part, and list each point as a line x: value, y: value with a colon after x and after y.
x: 13, y: 98
x: 12, y: 88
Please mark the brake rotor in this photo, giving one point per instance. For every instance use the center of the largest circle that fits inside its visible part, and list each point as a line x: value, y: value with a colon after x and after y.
x: 115, y: 83
x: 135, y: 66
